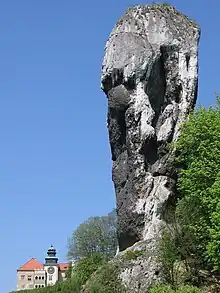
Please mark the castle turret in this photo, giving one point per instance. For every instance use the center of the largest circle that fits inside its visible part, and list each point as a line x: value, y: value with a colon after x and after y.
x: 51, y: 266
x: 51, y: 258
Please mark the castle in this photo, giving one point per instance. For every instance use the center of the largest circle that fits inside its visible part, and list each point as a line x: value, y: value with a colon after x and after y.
x: 33, y: 274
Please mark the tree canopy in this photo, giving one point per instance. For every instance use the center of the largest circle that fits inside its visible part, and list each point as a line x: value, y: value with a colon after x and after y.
x: 95, y: 235
x: 198, y: 209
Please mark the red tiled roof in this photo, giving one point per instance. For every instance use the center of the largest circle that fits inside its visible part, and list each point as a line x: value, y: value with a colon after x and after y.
x: 31, y: 265
x: 63, y: 266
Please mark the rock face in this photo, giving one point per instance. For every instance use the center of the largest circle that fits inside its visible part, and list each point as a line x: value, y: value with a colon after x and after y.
x: 150, y: 76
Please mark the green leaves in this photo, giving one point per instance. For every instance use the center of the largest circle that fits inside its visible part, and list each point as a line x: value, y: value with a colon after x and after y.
x: 96, y: 235
x: 81, y: 273
x: 105, y: 280
x: 85, y: 267
x: 69, y: 286
x: 92, y: 244
x: 198, y: 209
x: 167, y: 289
x: 169, y: 254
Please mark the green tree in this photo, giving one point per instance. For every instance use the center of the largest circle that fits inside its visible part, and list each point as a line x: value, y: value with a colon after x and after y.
x: 169, y: 254
x: 198, y: 208
x: 96, y: 235
x: 86, y: 266
x: 69, y: 271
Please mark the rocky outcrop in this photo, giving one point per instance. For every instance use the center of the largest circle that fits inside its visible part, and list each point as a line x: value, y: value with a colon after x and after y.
x: 150, y: 76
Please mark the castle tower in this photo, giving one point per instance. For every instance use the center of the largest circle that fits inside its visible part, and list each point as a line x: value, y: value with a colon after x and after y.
x: 51, y: 266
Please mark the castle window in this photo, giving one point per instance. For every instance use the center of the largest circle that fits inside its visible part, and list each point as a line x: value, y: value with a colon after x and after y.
x: 35, y: 286
x: 36, y: 277
x: 39, y: 277
x: 50, y: 278
x: 29, y: 278
x: 42, y: 286
x: 22, y: 277
x: 42, y: 277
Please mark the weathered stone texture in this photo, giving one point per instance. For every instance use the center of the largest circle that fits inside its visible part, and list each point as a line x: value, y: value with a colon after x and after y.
x: 150, y: 76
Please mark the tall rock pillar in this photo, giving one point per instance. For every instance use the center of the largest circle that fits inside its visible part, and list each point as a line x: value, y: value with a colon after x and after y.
x: 150, y: 77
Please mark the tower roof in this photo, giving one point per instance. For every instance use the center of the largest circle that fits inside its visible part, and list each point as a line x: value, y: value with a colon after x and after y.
x: 31, y: 265
x: 51, y: 256
x: 51, y: 248
x: 51, y: 251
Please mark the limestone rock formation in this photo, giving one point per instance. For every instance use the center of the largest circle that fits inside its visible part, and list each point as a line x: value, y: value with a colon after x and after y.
x: 150, y: 77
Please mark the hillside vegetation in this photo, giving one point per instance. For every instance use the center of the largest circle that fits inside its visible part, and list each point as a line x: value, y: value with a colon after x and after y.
x: 190, y: 247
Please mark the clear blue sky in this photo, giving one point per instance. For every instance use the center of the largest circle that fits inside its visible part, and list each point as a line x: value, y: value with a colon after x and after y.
x: 55, y: 163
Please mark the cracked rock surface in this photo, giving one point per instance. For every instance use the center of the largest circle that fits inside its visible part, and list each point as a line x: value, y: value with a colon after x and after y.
x: 150, y: 77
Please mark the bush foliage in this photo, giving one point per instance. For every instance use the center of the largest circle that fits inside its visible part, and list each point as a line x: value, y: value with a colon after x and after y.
x: 69, y: 286
x: 86, y: 267
x: 133, y: 254
x: 190, y: 242
x: 168, y: 289
x: 106, y: 280
x: 198, y: 209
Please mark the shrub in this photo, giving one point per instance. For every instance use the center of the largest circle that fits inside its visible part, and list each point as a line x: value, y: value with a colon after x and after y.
x: 86, y: 267
x: 133, y: 254
x: 69, y: 286
x: 105, y: 280
x: 168, y: 289
x: 168, y: 255
x: 188, y: 289
x: 162, y: 289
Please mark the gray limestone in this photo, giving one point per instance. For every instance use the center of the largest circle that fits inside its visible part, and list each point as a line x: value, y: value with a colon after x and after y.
x: 150, y: 77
